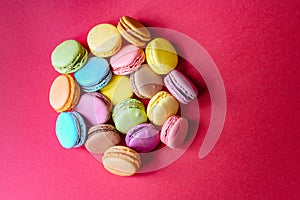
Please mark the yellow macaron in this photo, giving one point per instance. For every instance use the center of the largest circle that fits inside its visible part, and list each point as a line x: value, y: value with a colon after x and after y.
x: 161, y: 56
x: 104, y: 40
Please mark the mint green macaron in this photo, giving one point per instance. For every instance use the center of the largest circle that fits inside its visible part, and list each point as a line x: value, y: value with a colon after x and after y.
x: 68, y: 57
x: 127, y: 114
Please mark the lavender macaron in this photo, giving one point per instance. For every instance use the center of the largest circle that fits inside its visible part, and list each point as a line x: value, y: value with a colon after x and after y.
x: 180, y: 87
x: 143, y: 138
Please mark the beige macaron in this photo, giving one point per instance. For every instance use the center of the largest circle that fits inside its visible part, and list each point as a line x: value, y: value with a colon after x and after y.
x: 121, y: 161
x: 104, y: 40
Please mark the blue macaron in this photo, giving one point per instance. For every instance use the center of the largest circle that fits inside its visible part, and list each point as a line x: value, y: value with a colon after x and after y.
x: 71, y: 129
x: 94, y: 75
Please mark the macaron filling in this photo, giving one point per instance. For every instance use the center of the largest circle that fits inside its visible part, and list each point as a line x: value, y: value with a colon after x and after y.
x: 81, y: 129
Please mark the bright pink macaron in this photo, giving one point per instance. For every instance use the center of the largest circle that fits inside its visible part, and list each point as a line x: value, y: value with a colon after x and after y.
x: 174, y: 131
x: 180, y: 87
x: 127, y: 60
x: 95, y: 108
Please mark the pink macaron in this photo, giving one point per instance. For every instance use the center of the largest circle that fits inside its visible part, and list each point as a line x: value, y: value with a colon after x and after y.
x: 127, y: 60
x: 174, y: 131
x: 95, y: 108
x: 180, y: 87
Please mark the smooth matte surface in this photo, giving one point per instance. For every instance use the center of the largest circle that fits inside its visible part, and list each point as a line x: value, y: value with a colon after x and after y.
x: 256, y: 47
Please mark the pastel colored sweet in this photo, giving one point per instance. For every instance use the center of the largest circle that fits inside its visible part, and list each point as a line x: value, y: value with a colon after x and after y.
x: 127, y: 60
x: 68, y: 57
x: 101, y: 137
x: 70, y: 129
x: 143, y: 138
x: 133, y: 31
x: 121, y: 161
x: 94, y: 75
x: 145, y: 83
x: 127, y: 114
x: 117, y: 89
x: 95, y: 108
x: 180, y: 87
x: 161, y: 56
x: 64, y: 93
x: 104, y: 40
x: 161, y: 106
x: 174, y: 131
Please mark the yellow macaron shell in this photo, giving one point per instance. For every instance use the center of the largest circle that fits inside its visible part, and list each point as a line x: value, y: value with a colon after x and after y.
x: 104, y: 40
x: 161, y: 56
x: 64, y: 93
x: 160, y: 107
x: 117, y: 89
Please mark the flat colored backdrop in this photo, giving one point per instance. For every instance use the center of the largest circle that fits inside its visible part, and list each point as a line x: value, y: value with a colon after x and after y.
x: 254, y: 44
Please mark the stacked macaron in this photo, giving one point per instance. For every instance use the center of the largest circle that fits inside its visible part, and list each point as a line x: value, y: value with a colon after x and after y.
x: 101, y: 99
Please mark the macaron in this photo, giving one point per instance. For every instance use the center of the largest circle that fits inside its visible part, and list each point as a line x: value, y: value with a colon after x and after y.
x: 180, y: 87
x: 143, y: 138
x: 127, y: 60
x: 101, y: 137
x: 145, y: 83
x: 68, y: 57
x: 64, y: 93
x: 121, y: 161
x: 127, y: 114
x: 104, y: 40
x: 174, y: 131
x: 70, y: 129
x: 161, y: 106
x: 133, y: 31
x: 94, y: 75
x: 161, y: 56
x: 94, y: 107
x: 117, y: 89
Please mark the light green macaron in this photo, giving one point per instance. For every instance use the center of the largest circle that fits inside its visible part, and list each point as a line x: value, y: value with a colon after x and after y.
x: 68, y: 57
x: 127, y: 114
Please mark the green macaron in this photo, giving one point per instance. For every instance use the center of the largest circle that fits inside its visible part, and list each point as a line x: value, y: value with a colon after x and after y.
x: 68, y: 57
x: 127, y: 114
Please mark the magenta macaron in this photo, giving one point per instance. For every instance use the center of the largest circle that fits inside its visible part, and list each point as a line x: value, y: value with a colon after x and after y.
x: 127, y: 60
x: 174, y: 131
x: 95, y: 108
x: 180, y: 87
x: 143, y: 138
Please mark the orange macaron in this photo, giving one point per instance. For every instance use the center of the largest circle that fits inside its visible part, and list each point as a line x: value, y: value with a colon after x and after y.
x: 64, y: 93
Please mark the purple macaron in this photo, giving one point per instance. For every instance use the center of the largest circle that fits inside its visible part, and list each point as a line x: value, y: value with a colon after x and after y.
x: 180, y: 87
x: 143, y: 138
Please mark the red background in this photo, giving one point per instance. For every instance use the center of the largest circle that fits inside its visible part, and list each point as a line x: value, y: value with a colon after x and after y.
x: 254, y: 44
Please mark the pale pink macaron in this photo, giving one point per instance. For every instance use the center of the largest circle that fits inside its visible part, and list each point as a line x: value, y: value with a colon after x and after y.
x: 127, y: 60
x: 95, y: 108
x: 174, y: 131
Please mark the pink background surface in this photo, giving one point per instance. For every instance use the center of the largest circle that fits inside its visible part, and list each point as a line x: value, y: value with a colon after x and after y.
x: 256, y: 47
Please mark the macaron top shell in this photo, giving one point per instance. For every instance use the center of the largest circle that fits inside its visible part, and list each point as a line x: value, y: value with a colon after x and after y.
x: 104, y: 40
x: 160, y: 107
x: 145, y: 83
x: 127, y: 60
x: 174, y: 131
x: 161, y: 56
x: 93, y: 72
x: 180, y: 87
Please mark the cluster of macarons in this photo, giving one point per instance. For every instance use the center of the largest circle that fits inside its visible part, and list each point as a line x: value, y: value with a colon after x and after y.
x: 113, y: 101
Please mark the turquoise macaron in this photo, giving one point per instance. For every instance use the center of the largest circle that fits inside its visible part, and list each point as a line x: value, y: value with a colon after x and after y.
x: 71, y: 130
x: 94, y: 75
